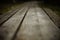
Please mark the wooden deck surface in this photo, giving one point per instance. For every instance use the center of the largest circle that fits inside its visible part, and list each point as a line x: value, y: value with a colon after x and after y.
x: 29, y: 23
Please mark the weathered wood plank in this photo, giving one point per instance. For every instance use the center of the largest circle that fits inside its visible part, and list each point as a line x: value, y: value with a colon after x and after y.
x: 8, y: 29
x: 37, y: 26
x: 9, y: 14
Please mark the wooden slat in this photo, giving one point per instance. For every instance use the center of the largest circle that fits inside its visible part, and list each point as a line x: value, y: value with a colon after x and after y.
x: 37, y: 26
x: 7, y: 30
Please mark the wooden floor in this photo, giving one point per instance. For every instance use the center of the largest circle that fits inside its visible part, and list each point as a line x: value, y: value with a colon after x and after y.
x: 30, y: 22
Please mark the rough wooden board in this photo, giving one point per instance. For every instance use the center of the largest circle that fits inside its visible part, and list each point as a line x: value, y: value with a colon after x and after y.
x: 55, y: 18
x: 37, y: 26
x: 8, y: 29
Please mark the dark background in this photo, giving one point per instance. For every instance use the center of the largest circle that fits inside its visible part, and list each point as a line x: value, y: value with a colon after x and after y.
x: 46, y: 1
x: 3, y: 3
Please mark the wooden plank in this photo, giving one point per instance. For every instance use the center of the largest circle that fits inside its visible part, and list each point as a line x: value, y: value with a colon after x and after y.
x: 8, y: 29
x: 37, y: 26
x: 6, y: 16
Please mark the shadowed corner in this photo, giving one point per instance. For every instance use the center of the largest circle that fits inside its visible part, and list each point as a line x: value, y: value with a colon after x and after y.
x: 3, y: 33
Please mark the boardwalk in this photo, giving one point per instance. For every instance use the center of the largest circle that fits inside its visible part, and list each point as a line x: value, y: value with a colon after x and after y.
x: 30, y: 22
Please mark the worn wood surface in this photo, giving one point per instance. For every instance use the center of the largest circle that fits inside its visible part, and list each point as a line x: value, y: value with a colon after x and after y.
x: 29, y: 23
